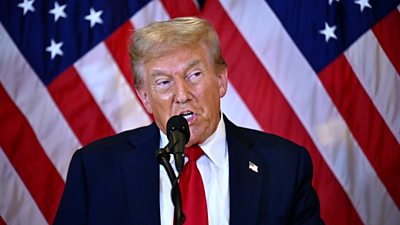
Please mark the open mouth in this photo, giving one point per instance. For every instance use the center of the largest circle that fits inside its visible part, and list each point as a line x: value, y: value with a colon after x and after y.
x: 187, y: 115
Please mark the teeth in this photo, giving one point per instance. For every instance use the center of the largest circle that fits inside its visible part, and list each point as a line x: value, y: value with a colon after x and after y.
x: 187, y: 115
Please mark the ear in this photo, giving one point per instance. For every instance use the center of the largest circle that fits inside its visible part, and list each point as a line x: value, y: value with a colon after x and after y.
x: 144, y: 97
x: 223, y: 82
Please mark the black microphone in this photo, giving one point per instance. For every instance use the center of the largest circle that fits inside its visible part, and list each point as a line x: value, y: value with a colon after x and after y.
x: 178, y: 134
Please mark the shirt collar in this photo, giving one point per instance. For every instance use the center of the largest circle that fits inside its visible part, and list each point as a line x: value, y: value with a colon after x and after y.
x: 214, y: 147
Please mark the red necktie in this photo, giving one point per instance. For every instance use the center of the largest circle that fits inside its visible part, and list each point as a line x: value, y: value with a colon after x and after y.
x: 193, y: 195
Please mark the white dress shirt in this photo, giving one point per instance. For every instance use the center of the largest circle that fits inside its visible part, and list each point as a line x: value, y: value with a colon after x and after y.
x: 214, y: 170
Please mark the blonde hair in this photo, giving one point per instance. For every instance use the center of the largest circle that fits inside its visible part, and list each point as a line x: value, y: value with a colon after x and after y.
x: 159, y: 38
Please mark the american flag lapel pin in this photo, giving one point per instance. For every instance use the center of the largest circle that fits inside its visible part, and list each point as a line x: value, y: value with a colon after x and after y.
x: 253, y: 167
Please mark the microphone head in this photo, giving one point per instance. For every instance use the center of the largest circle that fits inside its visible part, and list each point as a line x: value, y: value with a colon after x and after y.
x: 178, y: 123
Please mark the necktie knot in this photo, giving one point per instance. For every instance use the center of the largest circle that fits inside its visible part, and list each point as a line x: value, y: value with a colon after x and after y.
x: 193, y: 153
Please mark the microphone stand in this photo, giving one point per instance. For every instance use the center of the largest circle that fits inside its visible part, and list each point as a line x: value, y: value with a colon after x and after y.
x: 163, y: 156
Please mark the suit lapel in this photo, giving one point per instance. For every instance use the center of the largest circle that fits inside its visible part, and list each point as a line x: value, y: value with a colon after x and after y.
x: 245, y: 177
x: 141, y: 174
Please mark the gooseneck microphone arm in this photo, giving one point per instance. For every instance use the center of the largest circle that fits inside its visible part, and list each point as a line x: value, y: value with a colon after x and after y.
x: 178, y: 135
x: 163, y: 156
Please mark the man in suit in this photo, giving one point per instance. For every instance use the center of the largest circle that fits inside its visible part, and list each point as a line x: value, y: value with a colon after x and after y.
x: 247, y: 177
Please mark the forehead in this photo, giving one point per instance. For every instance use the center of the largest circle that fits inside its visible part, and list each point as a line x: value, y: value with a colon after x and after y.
x: 178, y: 60
x: 176, y: 68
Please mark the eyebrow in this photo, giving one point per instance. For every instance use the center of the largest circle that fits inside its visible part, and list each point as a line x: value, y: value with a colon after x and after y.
x: 192, y: 63
x: 188, y: 65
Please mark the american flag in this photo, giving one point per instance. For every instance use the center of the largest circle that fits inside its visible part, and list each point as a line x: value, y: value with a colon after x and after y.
x: 325, y: 74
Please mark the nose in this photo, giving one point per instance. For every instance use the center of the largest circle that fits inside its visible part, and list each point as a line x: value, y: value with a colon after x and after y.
x: 182, y: 94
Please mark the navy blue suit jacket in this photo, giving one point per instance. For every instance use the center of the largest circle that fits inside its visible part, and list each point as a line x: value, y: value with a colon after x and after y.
x: 115, y: 181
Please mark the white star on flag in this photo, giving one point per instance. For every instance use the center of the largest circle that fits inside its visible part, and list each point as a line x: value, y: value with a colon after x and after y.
x: 331, y: 1
x: 363, y: 4
x: 328, y: 32
x: 55, y: 48
x: 58, y: 11
x: 27, y: 5
x: 94, y: 17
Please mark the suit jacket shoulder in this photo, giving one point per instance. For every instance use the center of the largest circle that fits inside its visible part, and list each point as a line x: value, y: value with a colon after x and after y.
x: 275, y: 174
x: 120, y: 142
x: 106, y: 182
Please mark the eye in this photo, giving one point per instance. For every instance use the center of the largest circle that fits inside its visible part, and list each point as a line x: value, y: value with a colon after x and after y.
x: 195, y: 76
x: 162, y: 84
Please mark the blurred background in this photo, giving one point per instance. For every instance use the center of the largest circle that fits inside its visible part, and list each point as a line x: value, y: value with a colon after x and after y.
x: 324, y: 74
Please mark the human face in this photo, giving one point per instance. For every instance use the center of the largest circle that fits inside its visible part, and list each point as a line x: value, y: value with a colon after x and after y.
x: 185, y: 82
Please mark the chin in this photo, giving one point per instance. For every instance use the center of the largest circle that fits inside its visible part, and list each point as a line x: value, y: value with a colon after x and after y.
x: 193, y: 140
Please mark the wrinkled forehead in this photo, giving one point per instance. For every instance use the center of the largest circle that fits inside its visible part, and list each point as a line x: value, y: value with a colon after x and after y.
x: 158, y: 50
x: 159, y: 70
x: 179, y: 59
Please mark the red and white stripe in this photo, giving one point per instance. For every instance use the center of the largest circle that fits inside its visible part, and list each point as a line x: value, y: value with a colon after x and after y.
x: 110, y: 89
x: 384, y: 90
x: 16, y: 203
x: 302, y: 88
x: 352, y: 132
x: 153, y: 11
x: 32, y: 98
